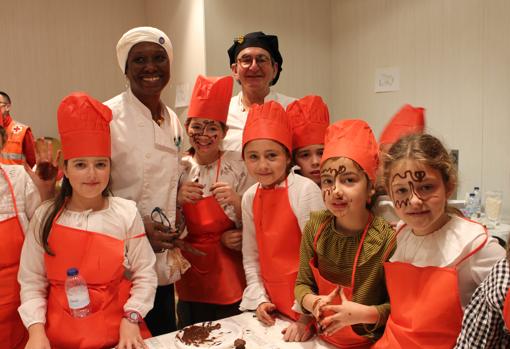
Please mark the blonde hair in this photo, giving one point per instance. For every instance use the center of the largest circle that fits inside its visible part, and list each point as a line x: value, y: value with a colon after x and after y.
x: 425, y: 149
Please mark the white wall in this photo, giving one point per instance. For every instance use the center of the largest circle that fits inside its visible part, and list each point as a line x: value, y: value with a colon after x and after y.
x: 51, y: 48
x: 303, y: 29
x: 454, y: 60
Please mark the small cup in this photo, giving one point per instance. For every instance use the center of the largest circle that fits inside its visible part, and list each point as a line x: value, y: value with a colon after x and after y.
x: 493, y: 203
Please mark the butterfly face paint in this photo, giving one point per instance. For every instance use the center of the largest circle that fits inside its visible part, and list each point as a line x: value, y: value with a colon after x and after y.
x: 344, y: 188
x: 419, y: 195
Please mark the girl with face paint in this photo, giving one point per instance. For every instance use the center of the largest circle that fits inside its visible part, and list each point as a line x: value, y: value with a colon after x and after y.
x: 275, y: 211
x: 341, y: 279
x: 210, y: 191
x: 440, y: 257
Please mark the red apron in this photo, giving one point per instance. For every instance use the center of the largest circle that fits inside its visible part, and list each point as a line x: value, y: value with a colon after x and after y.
x: 218, y: 277
x: 506, y: 311
x: 278, y: 240
x: 345, y: 337
x: 426, y: 312
x: 12, y: 331
x: 99, y: 259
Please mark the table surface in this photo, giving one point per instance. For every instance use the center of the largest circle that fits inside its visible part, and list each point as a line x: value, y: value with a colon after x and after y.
x: 256, y: 335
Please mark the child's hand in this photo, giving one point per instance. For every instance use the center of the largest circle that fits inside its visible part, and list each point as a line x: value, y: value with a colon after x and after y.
x: 265, y: 313
x: 37, y: 337
x: 189, y: 192
x: 225, y: 195
x: 129, y: 336
x: 322, y: 301
x: 346, y: 314
x: 232, y: 239
x: 299, y: 331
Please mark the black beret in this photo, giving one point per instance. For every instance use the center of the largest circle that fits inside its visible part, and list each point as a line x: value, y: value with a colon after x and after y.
x: 257, y: 39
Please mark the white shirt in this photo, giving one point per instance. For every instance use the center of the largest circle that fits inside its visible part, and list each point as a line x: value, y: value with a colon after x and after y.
x: 447, y: 246
x: 145, y: 160
x: 304, y: 196
x: 237, y: 114
x: 232, y: 171
x: 121, y: 221
x: 26, y: 194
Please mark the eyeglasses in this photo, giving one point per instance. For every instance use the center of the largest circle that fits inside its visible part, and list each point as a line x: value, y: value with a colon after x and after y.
x: 158, y: 216
x: 247, y: 61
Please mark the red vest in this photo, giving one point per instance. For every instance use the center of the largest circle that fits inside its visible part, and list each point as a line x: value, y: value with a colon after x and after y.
x: 12, y: 152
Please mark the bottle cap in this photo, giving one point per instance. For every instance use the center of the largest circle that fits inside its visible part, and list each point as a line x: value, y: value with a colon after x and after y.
x: 72, y: 272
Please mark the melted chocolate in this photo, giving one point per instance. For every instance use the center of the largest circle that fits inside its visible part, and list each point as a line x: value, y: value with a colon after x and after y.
x: 198, y: 334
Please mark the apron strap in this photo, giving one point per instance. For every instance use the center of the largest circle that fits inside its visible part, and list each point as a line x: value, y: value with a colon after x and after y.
x: 11, y: 190
x: 479, y: 247
x: 360, y: 246
x: 393, y: 242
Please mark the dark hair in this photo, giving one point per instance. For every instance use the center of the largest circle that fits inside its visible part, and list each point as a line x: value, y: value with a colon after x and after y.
x: 66, y: 190
x: 3, y: 135
x: 6, y: 96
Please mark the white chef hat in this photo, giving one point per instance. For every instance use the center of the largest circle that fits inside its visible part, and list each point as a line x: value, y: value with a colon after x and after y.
x: 142, y: 34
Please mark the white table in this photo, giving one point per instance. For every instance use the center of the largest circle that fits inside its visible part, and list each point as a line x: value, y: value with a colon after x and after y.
x: 256, y: 335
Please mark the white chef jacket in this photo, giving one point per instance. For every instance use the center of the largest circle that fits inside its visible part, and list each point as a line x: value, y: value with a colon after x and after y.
x: 447, y: 246
x: 304, y: 196
x: 145, y: 160
x: 232, y: 171
x: 237, y: 114
x: 120, y: 220
x: 26, y: 194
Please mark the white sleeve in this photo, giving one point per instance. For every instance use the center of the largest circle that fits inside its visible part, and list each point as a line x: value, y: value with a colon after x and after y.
x: 305, y: 197
x: 32, y: 275
x: 32, y: 197
x: 141, y: 261
x: 254, y: 293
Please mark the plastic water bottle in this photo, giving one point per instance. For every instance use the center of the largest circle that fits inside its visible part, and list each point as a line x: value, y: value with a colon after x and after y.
x: 77, y: 293
x: 477, y: 208
x: 470, y: 205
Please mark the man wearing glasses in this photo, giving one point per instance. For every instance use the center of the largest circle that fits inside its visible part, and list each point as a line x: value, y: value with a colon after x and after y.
x: 256, y: 64
x: 20, y: 145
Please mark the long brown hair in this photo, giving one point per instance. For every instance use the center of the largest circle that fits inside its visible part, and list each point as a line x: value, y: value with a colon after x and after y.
x: 427, y: 150
x: 66, y: 191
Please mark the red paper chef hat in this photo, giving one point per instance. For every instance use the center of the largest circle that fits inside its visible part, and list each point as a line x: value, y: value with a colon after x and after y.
x: 211, y: 98
x: 84, y: 126
x: 408, y: 120
x: 268, y: 121
x: 309, y: 117
x: 355, y: 140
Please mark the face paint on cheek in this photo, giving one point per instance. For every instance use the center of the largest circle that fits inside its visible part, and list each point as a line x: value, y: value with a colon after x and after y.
x: 335, y: 173
x: 417, y: 176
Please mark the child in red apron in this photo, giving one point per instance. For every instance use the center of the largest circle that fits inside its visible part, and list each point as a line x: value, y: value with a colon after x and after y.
x: 275, y: 211
x: 440, y: 257
x: 486, y: 322
x: 20, y: 195
x: 309, y: 117
x: 100, y: 235
x: 341, y: 278
x: 212, y: 184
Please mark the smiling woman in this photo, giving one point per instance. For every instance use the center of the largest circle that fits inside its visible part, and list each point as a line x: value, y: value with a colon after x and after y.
x: 146, y: 137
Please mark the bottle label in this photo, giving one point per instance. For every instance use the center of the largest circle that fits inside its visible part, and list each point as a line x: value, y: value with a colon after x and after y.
x: 78, y: 297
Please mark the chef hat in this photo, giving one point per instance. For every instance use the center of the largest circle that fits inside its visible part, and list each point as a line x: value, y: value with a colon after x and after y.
x: 142, y: 34
x: 84, y: 126
x: 257, y: 39
x: 268, y: 121
x: 309, y: 117
x: 355, y: 140
x: 408, y: 120
x: 211, y: 98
